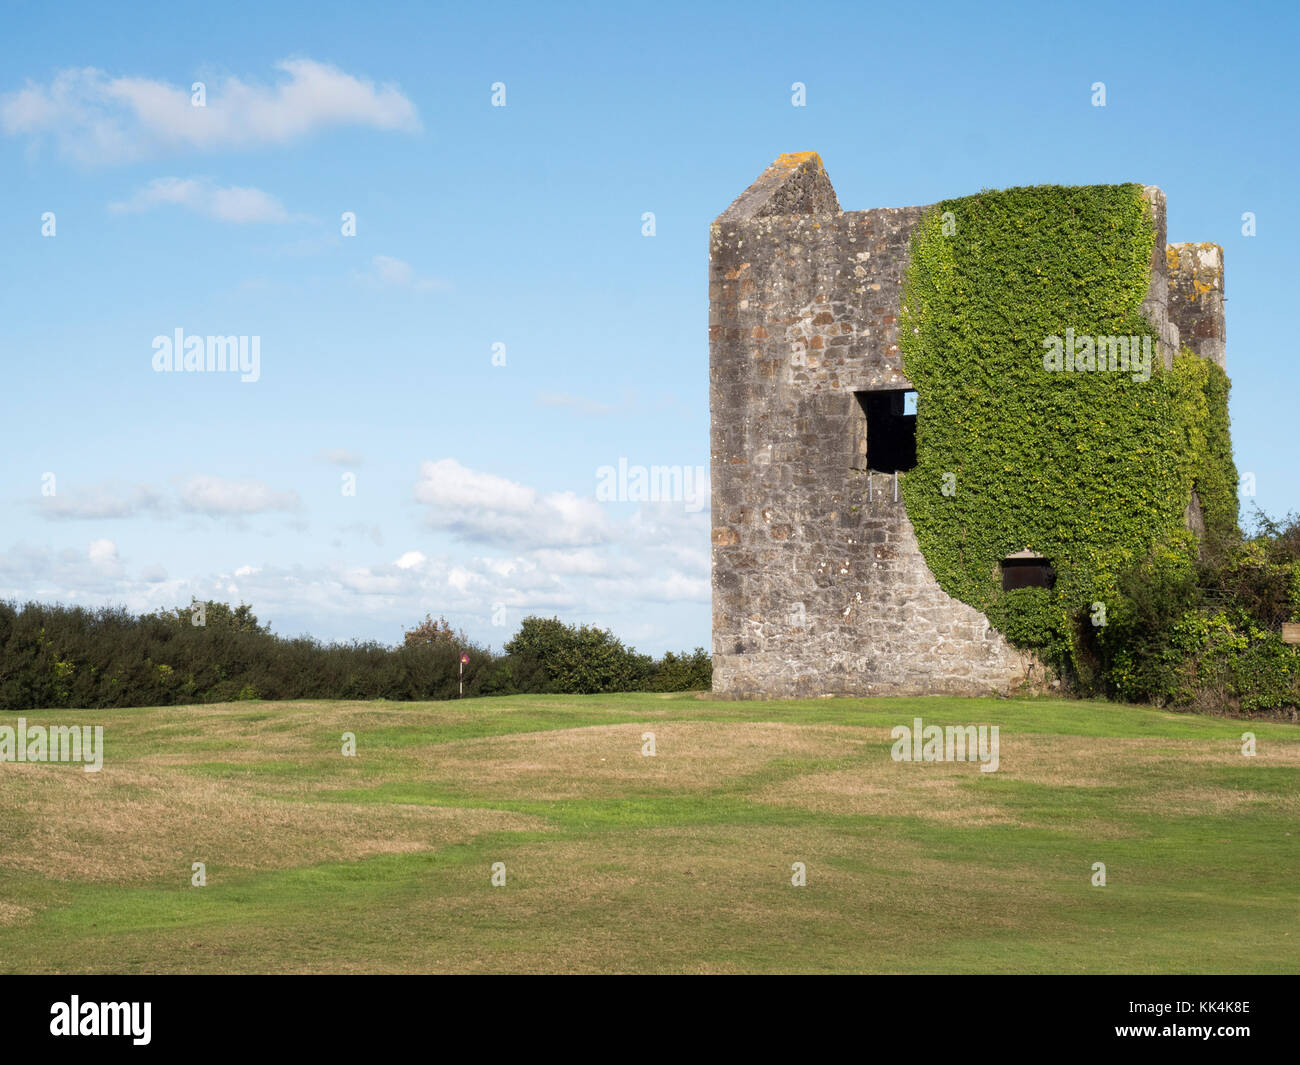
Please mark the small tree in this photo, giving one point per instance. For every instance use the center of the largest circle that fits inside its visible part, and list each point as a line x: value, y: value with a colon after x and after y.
x: 435, y: 632
x: 214, y: 616
x: 549, y: 656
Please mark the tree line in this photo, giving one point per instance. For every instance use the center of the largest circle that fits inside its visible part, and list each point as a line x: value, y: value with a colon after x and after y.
x: 75, y: 656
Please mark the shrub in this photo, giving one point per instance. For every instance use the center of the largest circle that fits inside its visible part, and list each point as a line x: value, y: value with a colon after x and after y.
x: 550, y: 656
x: 691, y: 671
x: 440, y: 631
x: 1207, y: 634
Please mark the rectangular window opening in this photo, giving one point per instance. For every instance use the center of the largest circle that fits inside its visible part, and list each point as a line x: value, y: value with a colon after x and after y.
x: 886, y: 430
x: 1027, y: 572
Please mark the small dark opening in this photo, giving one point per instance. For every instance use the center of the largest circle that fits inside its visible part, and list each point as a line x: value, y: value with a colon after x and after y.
x: 890, y: 438
x: 1027, y: 573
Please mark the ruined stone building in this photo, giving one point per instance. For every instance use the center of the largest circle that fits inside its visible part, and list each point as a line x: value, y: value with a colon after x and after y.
x: 819, y: 586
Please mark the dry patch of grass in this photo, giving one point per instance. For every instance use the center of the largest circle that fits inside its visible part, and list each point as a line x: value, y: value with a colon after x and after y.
x: 931, y: 791
x: 12, y: 913
x: 241, y: 734
x: 136, y: 825
x: 606, y: 761
x: 1164, y: 776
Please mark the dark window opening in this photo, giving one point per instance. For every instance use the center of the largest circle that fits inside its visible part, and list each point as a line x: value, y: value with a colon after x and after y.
x: 886, y: 431
x: 1027, y: 572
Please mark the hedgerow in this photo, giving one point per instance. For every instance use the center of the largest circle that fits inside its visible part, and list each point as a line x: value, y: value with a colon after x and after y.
x: 59, y: 656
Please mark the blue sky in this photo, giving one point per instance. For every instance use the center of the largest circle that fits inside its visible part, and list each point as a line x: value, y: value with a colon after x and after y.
x: 518, y: 225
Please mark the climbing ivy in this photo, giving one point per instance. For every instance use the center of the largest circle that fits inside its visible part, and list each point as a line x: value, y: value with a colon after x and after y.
x: 1092, y: 469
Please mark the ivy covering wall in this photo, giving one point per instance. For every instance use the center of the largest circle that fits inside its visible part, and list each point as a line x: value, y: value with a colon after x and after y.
x: 1092, y: 469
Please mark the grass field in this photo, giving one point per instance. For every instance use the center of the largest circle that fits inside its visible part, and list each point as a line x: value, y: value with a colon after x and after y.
x: 679, y: 862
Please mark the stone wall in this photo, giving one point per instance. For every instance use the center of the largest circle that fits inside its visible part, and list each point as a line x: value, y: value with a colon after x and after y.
x: 1195, y: 281
x: 1155, y: 308
x: 818, y: 584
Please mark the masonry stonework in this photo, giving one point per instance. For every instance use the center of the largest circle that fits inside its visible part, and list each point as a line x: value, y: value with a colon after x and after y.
x: 819, y: 586
x: 1195, y: 279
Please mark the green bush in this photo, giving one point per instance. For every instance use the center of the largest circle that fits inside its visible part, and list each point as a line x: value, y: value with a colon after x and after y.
x: 1233, y: 664
x: 684, y: 672
x: 551, y: 656
x: 1207, y: 634
x: 1141, y: 650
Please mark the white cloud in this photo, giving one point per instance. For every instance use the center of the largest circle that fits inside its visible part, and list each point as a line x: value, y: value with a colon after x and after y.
x: 97, y: 118
x: 485, y: 508
x: 410, y: 560
x: 368, y: 582
x: 102, y: 502
x: 201, y: 493
x: 232, y: 204
x: 50, y: 576
x: 576, y: 561
x: 218, y: 496
x: 102, y: 552
x: 387, y: 272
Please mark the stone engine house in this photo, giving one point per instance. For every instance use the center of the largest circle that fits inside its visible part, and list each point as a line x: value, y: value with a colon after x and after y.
x: 811, y: 412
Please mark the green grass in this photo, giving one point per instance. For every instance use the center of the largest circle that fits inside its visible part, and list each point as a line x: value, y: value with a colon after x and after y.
x: 676, y: 863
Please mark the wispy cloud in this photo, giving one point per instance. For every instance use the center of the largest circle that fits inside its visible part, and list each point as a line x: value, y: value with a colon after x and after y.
x: 231, y: 204
x: 102, y: 502
x: 28, y: 571
x: 97, y: 118
x: 216, y: 496
x: 387, y: 272
x: 199, y: 493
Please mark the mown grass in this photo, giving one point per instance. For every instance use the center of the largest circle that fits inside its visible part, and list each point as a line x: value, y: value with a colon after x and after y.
x: 677, y: 863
